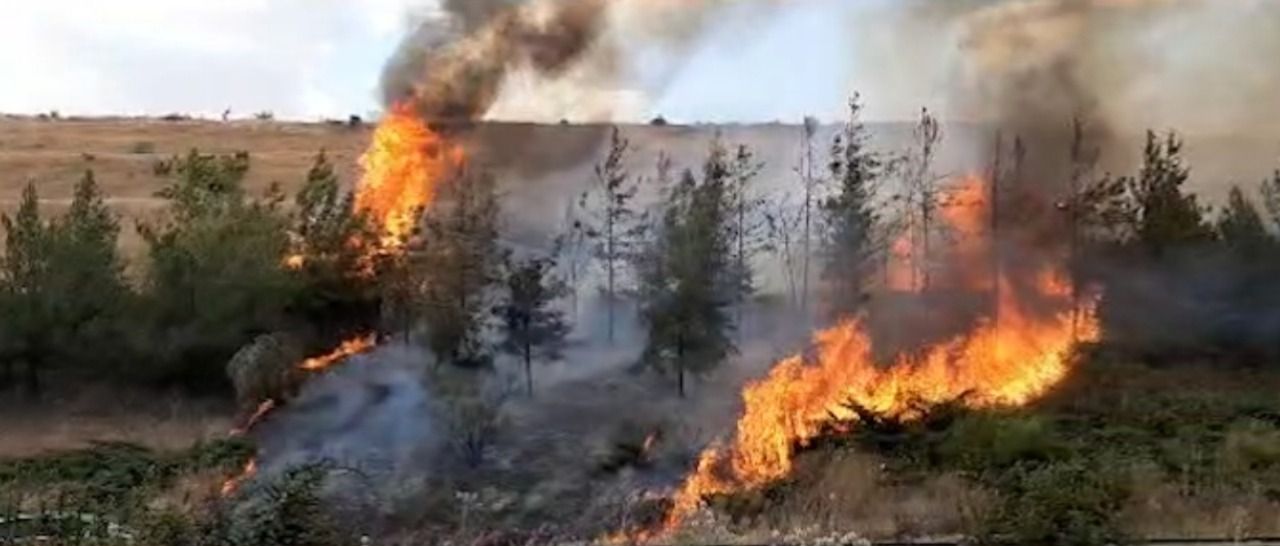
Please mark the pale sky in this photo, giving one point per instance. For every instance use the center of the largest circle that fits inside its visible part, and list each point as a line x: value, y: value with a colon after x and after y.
x: 306, y: 59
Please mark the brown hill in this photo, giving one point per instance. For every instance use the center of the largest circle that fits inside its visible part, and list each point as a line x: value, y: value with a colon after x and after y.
x: 542, y: 167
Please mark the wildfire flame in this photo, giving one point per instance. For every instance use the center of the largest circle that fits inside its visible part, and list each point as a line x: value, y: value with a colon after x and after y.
x: 348, y: 348
x: 405, y: 161
x: 402, y: 167
x: 1006, y: 362
x: 263, y: 409
x: 232, y: 485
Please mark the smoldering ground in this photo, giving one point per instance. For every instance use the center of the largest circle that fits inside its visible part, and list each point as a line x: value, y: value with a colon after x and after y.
x: 400, y: 438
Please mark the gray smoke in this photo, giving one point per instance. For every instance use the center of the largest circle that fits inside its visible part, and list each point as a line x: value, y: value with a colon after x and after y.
x: 1124, y: 66
x: 373, y: 417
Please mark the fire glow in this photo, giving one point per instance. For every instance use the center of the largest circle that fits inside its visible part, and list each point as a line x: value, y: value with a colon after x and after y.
x: 1009, y: 361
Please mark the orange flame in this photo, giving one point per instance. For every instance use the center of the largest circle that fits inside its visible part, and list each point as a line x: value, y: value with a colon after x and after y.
x: 1009, y: 362
x: 294, y: 262
x: 967, y: 216
x: 347, y: 349
x: 263, y: 409
x: 250, y: 470
x: 402, y: 167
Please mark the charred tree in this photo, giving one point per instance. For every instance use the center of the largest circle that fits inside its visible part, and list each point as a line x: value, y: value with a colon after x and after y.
x: 851, y: 217
x: 810, y: 182
x: 924, y: 193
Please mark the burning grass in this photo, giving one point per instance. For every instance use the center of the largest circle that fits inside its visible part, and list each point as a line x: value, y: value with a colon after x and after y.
x: 1009, y: 360
x: 1117, y: 451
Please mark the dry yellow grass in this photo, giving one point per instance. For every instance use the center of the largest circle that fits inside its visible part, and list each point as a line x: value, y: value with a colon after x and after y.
x: 53, y: 154
x: 845, y: 491
x: 106, y: 415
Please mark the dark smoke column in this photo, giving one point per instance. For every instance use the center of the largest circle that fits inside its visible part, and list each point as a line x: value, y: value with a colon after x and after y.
x: 453, y: 68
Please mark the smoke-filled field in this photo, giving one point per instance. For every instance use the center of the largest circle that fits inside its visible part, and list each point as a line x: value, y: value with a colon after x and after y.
x: 1037, y: 308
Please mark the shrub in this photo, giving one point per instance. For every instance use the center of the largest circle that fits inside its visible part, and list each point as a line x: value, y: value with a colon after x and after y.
x: 989, y: 442
x: 289, y: 510
x: 1064, y: 503
x: 143, y: 147
x: 162, y: 167
x: 169, y: 528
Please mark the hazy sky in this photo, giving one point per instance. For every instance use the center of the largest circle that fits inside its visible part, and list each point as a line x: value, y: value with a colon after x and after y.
x: 313, y: 58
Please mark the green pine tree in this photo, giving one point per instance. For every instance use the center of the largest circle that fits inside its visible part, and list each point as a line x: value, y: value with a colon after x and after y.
x: 533, y: 328
x: 460, y: 263
x: 216, y: 274
x: 688, y: 278
x: 330, y: 253
x: 26, y: 318
x: 89, y: 290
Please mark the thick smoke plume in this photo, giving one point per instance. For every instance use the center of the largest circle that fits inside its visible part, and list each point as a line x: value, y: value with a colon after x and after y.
x: 456, y: 64
x: 453, y: 69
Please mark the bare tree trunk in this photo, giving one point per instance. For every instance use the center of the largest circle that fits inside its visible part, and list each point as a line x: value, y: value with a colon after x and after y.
x: 610, y: 243
x: 528, y: 370
x: 1073, y: 258
x: 680, y: 365
x: 811, y: 127
x: 808, y: 222
x: 742, y: 244
x: 926, y: 217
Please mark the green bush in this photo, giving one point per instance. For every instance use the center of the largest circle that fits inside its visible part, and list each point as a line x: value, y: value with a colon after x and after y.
x: 111, y: 471
x: 1062, y: 503
x: 289, y: 511
x: 989, y: 442
x: 168, y: 528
